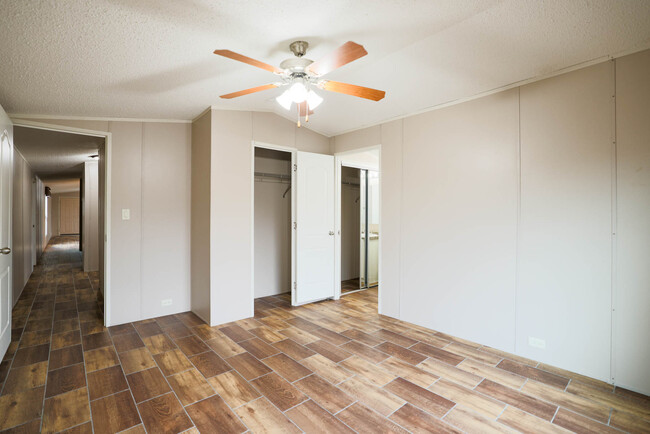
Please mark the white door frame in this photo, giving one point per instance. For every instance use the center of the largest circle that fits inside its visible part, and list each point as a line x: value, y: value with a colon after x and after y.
x: 107, y: 197
x: 339, y: 161
x: 293, y: 151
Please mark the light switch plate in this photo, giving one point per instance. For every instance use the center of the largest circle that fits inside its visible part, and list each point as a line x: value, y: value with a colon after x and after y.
x: 126, y: 214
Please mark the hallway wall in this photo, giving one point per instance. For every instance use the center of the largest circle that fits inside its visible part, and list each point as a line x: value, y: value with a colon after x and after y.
x: 150, y: 254
x: 524, y: 214
x: 23, y: 195
x: 90, y: 213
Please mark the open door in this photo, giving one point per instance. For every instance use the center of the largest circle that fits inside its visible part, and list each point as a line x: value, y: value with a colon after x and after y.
x: 315, y: 238
x: 6, y: 188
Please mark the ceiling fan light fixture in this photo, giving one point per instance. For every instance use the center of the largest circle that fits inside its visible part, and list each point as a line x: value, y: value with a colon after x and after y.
x: 285, y: 100
x: 313, y: 99
x: 298, y: 92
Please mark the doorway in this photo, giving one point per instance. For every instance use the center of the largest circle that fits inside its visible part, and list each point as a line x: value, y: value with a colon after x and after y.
x: 59, y: 159
x: 358, y: 250
x: 296, y: 191
x: 359, y: 229
x: 272, y: 223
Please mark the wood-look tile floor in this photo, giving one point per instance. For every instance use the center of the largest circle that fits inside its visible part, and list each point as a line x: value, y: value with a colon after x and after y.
x: 334, y: 366
x: 350, y: 285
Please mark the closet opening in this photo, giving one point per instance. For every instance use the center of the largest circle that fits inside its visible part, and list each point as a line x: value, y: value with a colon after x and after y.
x: 359, y: 229
x: 272, y: 217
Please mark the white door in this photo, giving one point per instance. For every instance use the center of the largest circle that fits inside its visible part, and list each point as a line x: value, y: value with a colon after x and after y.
x: 6, y: 179
x: 315, y: 228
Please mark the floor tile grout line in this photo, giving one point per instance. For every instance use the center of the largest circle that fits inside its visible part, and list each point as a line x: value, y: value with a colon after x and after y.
x: 210, y: 385
x: 555, y: 414
x: 47, y: 375
x: 166, y: 380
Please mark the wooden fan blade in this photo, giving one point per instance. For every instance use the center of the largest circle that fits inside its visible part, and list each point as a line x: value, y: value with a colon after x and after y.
x: 352, y: 89
x: 241, y: 58
x: 249, y: 91
x: 343, y: 55
x: 302, y: 109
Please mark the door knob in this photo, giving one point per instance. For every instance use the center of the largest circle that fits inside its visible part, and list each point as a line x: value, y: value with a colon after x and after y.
x: 5, y: 250
x: 331, y: 232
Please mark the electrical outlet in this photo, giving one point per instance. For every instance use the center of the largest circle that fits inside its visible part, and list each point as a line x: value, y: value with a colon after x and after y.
x: 537, y: 343
x: 126, y: 214
x: 166, y: 302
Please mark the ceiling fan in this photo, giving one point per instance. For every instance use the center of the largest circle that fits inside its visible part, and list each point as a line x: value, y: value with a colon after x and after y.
x: 302, y: 75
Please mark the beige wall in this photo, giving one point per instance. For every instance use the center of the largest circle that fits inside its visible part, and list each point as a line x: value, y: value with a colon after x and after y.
x: 150, y: 253
x: 231, y: 250
x: 101, y: 170
x: 200, y: 227
x: 564, y: 286
x: 23, y: 195
x: 498, y: 219
x: 459, y: 199
x: 90, y: 216
x: 166, y: 184
x: 631, y: 292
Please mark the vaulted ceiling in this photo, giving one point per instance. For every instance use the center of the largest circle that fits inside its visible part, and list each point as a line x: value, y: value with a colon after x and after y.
x: 153, y: 58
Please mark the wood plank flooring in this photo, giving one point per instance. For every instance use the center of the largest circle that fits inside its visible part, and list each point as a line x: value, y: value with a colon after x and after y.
x: 334, y: 366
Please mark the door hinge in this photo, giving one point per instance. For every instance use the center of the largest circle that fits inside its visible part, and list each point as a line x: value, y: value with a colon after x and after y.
x: 295, y: 167
x: 295, y: 285
x: 295, y: 225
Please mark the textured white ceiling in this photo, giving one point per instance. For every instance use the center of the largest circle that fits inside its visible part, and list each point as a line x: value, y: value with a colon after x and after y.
x: 153, y: 58
x: 53, y: 154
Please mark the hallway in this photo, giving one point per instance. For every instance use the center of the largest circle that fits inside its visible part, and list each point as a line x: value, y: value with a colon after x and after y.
x: 58, y: 305
x: 333, y: 366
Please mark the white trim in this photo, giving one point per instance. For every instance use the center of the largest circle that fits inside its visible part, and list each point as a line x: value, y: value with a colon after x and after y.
x: 17, y: 117
x: 107, y: 196
x: 292, y: 151
x: 338, y: 163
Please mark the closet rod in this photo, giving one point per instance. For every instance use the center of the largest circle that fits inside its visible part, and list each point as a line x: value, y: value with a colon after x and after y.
x: 271, y: 175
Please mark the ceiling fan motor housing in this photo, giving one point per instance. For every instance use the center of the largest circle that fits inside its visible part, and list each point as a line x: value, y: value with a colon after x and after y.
x: 296, y: 64
x: 299, y: 48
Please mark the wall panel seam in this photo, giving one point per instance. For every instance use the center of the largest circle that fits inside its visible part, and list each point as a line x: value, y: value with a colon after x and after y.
x: 142, y: 144
x: 518, y: 225
x: 401, y: 222
x: 614, y: 222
